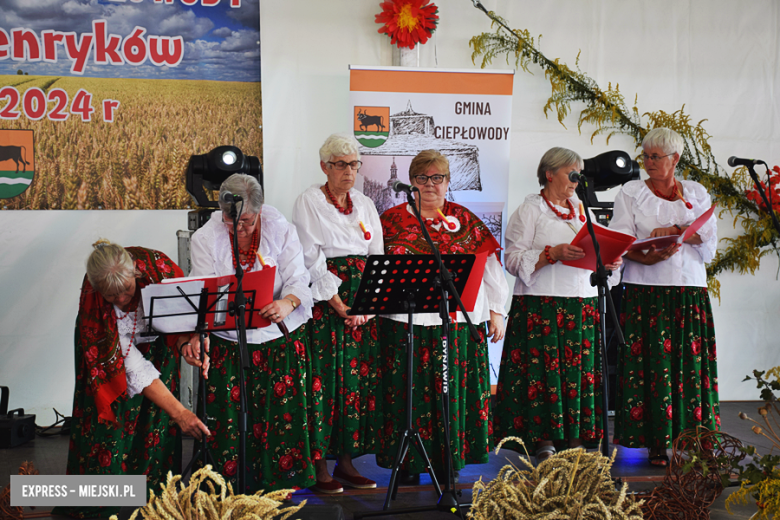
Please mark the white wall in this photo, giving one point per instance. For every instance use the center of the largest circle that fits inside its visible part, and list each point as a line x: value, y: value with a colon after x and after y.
x: 719, y: 58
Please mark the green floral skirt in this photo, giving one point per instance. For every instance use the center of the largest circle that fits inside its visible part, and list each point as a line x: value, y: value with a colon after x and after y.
x: 667, y: 375
x: 144, y: 440
x: 278, y: 441
x: 469, y: 390
x: 344, y: 382
x: 549, y: 384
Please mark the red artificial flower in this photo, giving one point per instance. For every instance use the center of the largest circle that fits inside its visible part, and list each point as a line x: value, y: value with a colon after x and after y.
x: 407, y: 22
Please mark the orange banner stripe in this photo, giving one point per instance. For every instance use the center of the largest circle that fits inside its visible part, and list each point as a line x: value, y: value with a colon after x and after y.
x: 430, y: 82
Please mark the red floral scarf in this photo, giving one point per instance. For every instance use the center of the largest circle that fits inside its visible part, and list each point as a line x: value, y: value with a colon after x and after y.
x: 403, y: 236
x: 101, y: 360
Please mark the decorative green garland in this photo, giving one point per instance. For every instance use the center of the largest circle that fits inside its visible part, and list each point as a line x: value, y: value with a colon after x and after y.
x: 607, y: 111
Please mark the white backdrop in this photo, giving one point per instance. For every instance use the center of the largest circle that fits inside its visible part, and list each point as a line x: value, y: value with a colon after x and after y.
x: 719, y: 58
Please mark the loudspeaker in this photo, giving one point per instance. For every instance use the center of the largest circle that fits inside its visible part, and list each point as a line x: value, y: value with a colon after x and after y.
x: 14, y: 429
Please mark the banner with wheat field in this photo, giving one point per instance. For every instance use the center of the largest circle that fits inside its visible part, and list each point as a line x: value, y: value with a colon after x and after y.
x: 103, y: 103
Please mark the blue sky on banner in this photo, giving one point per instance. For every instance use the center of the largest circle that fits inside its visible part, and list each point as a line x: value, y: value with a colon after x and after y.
x: 221, y: 43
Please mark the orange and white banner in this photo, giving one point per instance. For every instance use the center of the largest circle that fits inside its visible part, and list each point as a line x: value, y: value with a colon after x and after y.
x: 465, y: 115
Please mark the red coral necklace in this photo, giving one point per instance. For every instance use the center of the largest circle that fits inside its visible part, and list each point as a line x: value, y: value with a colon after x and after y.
x: 345, y: 211
x: 249, y: 256
x: 671, y: 197
x: 570, y: 216
x: 132, y: 334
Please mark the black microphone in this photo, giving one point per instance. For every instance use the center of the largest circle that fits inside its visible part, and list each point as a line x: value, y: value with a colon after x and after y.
x: 399, y: 187
x: 229, y: 198
x: 576, y: 177
x: 736, y: 161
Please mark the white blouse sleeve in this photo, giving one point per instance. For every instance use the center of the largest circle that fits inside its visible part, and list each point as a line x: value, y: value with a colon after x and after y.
x: 623, y: 215
x: 201, y: 258
x: 520, y: 257
x: 709, y: 231
x: 140, y: 372
x: 496, y: 287
x: 292, y: 268
x: 377, y: 244
x: 324, y: 284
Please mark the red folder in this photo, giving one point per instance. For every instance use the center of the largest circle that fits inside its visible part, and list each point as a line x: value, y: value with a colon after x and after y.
x: 664, y: 242
x: 261, y: 282
x: 469, y: 294
x: 611, y: 243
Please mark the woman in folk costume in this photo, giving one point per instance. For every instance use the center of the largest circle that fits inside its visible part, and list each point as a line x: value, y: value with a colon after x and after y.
x: 278, y: 444
x: 455, y: 230
x: 668, y: 375
x: 124, y: 407
x: 338, y: 227
x: 549, y: 384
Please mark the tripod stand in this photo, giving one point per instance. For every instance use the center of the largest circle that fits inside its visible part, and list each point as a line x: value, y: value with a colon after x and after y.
x: 378, y: 295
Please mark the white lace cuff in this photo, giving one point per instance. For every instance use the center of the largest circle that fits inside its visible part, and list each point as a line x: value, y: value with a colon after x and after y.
x: 499, y: 309
x: 303, y: 294
x: 709, y: 242
x: 326, y: 287
x: 140, y: 372
x: 528, y: 262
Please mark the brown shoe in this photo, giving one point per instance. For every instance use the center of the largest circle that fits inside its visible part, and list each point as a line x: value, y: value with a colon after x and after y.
x: 357, y: 481
x: 330, y: 488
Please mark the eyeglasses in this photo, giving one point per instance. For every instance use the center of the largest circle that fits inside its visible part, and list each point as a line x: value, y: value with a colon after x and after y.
x: 654, y: 158
x: 246, y: 221
x: 341, y: 165
x: 422, y: 180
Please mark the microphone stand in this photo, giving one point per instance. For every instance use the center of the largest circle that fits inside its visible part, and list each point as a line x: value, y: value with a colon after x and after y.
x: 762, y: 192
x: 599, y: 279
x: 447, y: 501
x: 237, y: 308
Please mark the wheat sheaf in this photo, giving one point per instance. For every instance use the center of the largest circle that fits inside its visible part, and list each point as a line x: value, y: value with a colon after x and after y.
x: 219, y: 503
x: 572, y: 484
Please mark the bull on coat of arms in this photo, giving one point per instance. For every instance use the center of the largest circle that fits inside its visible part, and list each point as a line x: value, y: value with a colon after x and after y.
x: 372, y: 125
x: 17, y: 163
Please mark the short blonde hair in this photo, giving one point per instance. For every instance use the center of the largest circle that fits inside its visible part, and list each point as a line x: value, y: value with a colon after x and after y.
x: 337, y: 145
x: 427, y: 158
x: 664, y: 138
x: 110, y: 267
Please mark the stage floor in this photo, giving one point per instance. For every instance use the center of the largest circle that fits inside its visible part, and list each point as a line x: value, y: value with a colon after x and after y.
x: 49, y: 454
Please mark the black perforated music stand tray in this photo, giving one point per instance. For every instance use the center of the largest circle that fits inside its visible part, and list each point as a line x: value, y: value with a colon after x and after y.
x: 386, y: 278
x: 411, y: 284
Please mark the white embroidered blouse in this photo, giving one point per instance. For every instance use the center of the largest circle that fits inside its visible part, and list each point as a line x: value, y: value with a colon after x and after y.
x: 140, y: 372
x: 532, y: 227
x: 279, y: 245
x: 326, y: 233
x: 638, y: 211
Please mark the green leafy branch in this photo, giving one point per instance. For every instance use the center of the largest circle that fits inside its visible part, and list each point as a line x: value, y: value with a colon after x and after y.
x: 608, y: 112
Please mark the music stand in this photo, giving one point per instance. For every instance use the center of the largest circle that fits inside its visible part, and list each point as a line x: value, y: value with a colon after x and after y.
x: 203, y: 309
x: 411, y: 284
x: 598, y: 279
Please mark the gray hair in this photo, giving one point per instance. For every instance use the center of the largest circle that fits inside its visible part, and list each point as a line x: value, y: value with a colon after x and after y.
x: 337, y: 145
x: 664, y: 138
x: 555, y: 158
x: 110, y: 267
x: 248, y: 188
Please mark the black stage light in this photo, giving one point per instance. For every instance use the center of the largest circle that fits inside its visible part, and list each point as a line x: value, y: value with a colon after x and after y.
x: 606, y: 171
x: 209, y: 171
